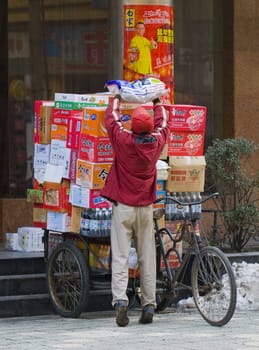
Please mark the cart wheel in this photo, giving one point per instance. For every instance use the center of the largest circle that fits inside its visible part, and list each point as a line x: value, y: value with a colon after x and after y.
x: 68, y: 280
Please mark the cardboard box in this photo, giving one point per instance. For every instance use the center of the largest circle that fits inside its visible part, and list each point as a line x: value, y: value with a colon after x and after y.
x: 57, y: 118
x: 30, y: 239
x: 187, y: 117
x: 95, y: 149
x: 186, y: 174
x: 45, y: 122
x: 62, y: 116
x: 78, y: 101
x: 75, y: 219
x: 87, y: 198
x: 39, y: 215
x: 73, y: 132
x: 160, y: 185
x: 12, y: 241
x: 92, y: 175
x: 34, y: 195
x: 58, y: 221
x: 56, y: 196
x: 37, y: 120
x: 55, y: 189
x: 186, y: 143
x: 41, y: 155
x: 58, y: 132
x: 93, y: 122
x: 63, y: 156
x: 161, y: 194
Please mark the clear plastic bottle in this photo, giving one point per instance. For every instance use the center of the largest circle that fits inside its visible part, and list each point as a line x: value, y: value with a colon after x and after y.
x: 93, y: 223
x: 179, y: 211
x: 84, y: 223
x: 198, y: 206
x: 106, y: 222
x: 193, y: 199
x: 109, y: 220
x: 174, y: 207
x: 187, y: 209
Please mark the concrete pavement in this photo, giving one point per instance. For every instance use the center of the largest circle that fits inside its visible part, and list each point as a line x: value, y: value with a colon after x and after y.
x: 97, y: 331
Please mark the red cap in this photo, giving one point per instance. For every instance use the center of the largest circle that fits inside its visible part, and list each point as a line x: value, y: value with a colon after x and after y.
x: 142, y: 121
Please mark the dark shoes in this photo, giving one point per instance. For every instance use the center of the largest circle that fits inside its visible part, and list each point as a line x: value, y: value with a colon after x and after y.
x: 122, y: 319
x: 121, y: 309
x: 147, y: 314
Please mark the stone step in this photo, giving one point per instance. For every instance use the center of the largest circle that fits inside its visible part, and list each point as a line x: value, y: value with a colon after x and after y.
x: 23, y: 284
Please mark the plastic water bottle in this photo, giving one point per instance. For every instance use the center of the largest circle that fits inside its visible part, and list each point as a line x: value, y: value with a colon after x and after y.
x: 167, y: 212
x: 187, y: 209
x: 174, y: 208
x: 179, y: 211
x: 109, y: 220
x: 93, y: 223
x: 198, y: 207
x: 85, y: 223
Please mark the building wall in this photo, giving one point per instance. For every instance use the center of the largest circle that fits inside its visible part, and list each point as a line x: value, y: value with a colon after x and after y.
x: 246, y: 71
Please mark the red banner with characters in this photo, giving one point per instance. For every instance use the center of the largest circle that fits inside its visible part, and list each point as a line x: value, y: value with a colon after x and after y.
x: 149, y: 44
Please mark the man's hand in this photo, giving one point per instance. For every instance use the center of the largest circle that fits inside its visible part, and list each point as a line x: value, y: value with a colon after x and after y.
x: 156, y: 101
x: 118, y: 97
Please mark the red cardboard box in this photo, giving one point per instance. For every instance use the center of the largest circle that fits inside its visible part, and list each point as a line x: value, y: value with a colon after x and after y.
x: 95, y: 149
x: 58, y: 118
x: 61, y: 116
x: 186, y: 143
x: 37, y: 118
x: 73, y: 132
x: 187, y: 117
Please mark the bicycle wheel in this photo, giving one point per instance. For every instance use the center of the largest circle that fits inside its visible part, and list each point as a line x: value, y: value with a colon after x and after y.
x: 68, y: 280
x: 214, y: 286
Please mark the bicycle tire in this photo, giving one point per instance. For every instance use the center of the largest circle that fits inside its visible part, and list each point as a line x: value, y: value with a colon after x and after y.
x: 214, y: 286
x: 68, y: 280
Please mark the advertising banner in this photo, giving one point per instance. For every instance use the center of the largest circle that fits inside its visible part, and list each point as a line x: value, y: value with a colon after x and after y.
x: 149, y: 44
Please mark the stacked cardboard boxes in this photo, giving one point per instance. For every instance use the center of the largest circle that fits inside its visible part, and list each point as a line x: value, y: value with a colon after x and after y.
x: 72, y: 158
x: 186, y: 148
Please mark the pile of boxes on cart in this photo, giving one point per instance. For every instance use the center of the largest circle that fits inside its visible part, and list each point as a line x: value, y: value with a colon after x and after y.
x: 73, y: 156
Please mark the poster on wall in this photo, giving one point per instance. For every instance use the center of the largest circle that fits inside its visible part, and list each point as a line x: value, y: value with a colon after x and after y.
x: 149, y: 44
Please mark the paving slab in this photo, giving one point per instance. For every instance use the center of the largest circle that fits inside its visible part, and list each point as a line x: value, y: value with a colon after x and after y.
x: 170, y: 330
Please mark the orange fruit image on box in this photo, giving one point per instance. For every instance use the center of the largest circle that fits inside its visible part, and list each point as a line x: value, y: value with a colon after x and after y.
x: 91, y: 175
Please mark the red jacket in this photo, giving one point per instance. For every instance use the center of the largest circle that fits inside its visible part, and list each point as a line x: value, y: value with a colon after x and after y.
x: 132, y: 177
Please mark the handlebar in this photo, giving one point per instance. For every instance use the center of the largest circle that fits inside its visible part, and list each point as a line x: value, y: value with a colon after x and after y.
x: 172, y: 199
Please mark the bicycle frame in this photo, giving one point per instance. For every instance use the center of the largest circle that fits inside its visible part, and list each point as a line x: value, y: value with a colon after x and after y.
x: 187, y: 227
x: 173, y: 275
